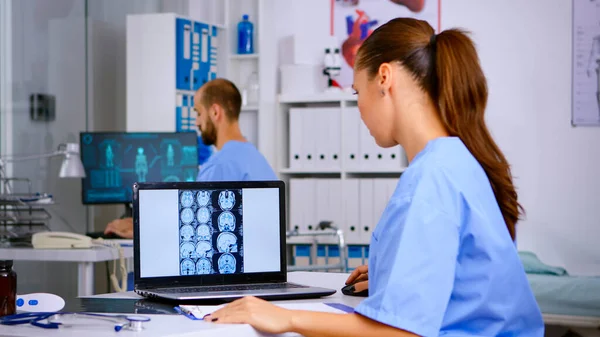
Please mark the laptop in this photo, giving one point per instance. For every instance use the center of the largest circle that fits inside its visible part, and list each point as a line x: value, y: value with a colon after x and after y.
x: 212, y: 241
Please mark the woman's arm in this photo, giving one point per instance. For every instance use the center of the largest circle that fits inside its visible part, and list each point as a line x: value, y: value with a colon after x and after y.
x: 269, y: 318
x: 308, y: 323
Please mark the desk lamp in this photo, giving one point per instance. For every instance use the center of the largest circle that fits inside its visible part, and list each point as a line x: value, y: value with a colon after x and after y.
x: 71, y: 165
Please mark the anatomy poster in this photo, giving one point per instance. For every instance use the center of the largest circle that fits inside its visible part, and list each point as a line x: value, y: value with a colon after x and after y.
x: 586, y: 63
x: 355, y: 20
x: 210, y: 232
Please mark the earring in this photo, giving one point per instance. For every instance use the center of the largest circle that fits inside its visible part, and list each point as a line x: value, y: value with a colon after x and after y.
x: 382, y: 93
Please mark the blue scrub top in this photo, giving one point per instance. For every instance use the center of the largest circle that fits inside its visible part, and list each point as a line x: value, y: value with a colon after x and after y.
x: 441, y: 259
x: 236, y: 161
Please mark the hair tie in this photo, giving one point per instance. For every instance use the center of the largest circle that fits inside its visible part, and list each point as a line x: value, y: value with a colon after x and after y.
x: 432, y: 39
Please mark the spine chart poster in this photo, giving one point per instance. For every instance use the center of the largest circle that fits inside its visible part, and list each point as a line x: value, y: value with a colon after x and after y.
x: 354, y: 20
x: 586, y: 63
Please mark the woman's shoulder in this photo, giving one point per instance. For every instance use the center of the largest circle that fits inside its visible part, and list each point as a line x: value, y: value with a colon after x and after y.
x: 433, y: 182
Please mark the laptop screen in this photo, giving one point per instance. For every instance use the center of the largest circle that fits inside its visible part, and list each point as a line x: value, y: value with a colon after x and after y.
x: 191, y: 232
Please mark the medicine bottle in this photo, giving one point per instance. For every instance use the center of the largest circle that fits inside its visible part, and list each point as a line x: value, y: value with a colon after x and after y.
x: 245, y: 36
x: 8, y: 288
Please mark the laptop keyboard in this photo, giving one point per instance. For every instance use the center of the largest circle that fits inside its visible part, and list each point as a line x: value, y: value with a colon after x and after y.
x: 240, y: 287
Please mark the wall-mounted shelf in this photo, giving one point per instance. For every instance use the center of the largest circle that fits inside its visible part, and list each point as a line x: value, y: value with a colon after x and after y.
x: 243, y: 57
x: 317, y: 98
x: 185, y: 92
x: 376, y: 171
x: 311, y: 171
x: 289, y: 171
x: 239, y: 68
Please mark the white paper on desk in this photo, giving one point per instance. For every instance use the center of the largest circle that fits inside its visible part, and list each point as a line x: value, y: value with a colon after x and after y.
x: 199, y: 311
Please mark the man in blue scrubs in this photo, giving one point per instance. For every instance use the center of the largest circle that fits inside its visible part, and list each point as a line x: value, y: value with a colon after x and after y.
x: 218, y: 105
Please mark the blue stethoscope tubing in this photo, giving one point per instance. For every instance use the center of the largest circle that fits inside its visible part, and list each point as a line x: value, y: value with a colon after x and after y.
x: 35, y: 318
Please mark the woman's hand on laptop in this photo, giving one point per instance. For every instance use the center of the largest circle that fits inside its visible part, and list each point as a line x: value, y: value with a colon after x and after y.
x: 121, y: 227
x: 260, y: 314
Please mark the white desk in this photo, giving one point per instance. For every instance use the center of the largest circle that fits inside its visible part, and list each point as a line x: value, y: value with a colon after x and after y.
x: 178, y: 325
x: 85, y: 259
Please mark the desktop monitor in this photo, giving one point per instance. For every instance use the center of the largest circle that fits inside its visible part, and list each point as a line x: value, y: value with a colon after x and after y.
x: 113, y: 161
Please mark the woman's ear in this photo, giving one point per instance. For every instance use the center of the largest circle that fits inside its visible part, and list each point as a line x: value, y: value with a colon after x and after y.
x: 384, y: 77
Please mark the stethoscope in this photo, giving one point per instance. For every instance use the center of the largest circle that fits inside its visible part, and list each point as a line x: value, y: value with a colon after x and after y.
x: 128, y: 322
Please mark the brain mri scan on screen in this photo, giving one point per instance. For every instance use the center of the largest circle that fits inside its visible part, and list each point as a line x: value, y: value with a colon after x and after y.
x: 210, y: 232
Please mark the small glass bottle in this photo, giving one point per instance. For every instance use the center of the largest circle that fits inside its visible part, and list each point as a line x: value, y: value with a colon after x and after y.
x: 8, y: 288
x: 251, y: 89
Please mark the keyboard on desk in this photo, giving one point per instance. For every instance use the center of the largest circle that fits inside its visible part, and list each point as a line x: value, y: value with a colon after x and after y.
x: 222, y: 288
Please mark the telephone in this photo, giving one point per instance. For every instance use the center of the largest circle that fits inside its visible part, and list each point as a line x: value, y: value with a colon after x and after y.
x: 60, y: 240
x: 68, y: 240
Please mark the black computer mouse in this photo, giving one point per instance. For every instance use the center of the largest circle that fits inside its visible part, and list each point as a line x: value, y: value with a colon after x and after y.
x: 349, y: 290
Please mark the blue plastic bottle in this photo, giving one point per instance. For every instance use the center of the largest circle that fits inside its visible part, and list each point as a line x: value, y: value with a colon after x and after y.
x: 245, y: 34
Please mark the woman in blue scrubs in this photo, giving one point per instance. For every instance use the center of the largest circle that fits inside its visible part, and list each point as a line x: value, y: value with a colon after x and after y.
x: 442, y: 258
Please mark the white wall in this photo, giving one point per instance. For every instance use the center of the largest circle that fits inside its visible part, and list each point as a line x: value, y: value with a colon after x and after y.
x: 48, y: 56
x: 528, y: 65
x: 48, y: 51
x: 107, y: 72
x: 525, y: 51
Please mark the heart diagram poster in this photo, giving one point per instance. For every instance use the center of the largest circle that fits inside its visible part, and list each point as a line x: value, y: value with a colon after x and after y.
x: 354, y: 20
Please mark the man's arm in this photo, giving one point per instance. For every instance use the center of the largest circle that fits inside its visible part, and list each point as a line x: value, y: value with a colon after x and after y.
x: 121, y: 227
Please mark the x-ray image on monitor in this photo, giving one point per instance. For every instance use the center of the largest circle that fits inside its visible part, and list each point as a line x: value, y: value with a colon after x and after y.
x: 113, y: 161
x: 210, y: 232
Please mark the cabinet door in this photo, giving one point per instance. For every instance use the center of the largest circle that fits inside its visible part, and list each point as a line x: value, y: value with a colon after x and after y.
x: 184, y: 36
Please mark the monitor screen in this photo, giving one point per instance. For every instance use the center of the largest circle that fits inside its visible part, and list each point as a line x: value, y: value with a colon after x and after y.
x: 187, y: 232
x: 113, y: 161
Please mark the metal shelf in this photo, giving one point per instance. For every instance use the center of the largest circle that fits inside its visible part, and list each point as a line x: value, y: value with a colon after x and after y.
x: 22, y: 214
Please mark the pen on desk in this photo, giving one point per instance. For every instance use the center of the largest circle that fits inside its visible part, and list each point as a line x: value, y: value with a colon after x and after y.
x: 186, y: 312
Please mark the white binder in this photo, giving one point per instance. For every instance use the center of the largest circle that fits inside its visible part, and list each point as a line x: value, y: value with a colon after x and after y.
x: 381, y: 196
x: 366, y: 210
x: 392, y: 158
x: 392, y: 184
x: 364, y: 157
x: 309, y: 140
x: 332, y: 138
x: 322, y: 198
x: 369, y: 150
x: 403, y: 159
x: 318, y: 134
x: 334, y: 187
x: 309, y: 197
x: 296, y: 127
x: 351, y: 217
x: 351, y: 139
x: 296, y: 204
